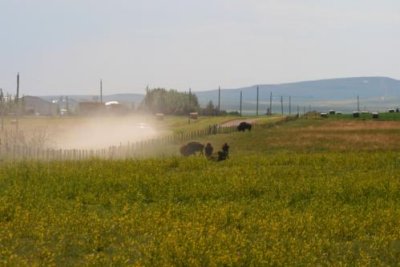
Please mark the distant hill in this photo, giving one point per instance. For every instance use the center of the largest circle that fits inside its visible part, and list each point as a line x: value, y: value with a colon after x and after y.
x: 375, y: 93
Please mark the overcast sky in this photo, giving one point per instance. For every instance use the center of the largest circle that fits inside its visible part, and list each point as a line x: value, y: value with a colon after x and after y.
x: 66, y: 46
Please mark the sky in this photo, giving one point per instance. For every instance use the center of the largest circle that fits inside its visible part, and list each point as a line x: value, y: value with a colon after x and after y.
x: 64, y: 47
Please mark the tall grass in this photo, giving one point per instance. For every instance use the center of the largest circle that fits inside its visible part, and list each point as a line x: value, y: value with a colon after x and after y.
x: 275, y: 201
x: 281, y: 209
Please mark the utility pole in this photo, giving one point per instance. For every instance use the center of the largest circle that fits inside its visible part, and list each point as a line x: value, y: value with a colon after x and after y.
x: 147, y: 96
x: 219, y: 99
x: 101, y: 91
x: 17, y: 96
x: 241, y: 103
x: 257, y: 101
x: 2, y: 103
x: 270, y: 104
x: 17, y: 105
x: 190, y: 103
x: 358, y: 103
x: 282, y: 105
x: 190, y: 98
x: 290, y: 105
x: 67, y: 104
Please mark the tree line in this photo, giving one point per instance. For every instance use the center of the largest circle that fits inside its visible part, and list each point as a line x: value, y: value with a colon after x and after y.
x: 161, y: 100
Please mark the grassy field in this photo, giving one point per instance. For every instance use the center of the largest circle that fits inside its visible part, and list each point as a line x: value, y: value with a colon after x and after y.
x: 169, y: 123
x: 308, y: 192
x: 383, y: 116
x: 95, y: 132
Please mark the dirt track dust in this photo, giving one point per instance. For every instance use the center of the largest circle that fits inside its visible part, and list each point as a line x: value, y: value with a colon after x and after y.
x: 97, y: 133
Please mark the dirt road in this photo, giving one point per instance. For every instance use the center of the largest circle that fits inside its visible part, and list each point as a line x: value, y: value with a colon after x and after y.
x: 237, y: 122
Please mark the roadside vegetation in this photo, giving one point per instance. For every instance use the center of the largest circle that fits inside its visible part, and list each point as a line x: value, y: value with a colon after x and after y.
x: 306, y: 192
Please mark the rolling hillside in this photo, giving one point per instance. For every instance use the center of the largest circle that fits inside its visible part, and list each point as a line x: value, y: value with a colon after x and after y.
x: 375, y: 93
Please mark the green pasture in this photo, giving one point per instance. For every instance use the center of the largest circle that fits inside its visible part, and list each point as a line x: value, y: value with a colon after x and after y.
x: 383, y: 116
x: 179, y: 124
x: 309, y: 192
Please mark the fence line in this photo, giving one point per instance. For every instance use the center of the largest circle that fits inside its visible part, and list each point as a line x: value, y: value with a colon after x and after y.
x: 131, y: 150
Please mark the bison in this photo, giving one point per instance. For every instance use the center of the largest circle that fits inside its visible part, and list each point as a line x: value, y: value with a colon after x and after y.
x: 208, y: 150
x: 191, y: 148
x: 243, y: 126
x: 224, y: 154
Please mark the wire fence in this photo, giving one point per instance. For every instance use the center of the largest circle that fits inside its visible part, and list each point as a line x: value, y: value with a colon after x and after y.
x: 12, y: 150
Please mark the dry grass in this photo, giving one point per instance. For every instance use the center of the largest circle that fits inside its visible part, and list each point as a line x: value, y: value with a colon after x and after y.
x: 315, y: 136
x: 357, y: 125
x: 339, y: 136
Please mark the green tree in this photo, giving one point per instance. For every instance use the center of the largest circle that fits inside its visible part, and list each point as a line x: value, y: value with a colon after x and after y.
x: 210, y: 109
x: 169, y: 102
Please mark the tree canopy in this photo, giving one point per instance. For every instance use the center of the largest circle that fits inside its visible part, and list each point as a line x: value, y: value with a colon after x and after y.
x: 160, y: 100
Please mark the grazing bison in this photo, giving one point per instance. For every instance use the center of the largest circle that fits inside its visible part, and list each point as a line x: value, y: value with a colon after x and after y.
x: 243, y: 126
x: 208, y: 150
x: 225, y: 148
x: 224, y: 154
x: 191, y: 148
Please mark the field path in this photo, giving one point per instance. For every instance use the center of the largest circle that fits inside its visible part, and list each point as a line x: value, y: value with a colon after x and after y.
x: 237, y: 122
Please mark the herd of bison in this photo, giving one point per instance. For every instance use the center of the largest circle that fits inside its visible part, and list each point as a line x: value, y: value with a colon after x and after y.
x: 192, y: 148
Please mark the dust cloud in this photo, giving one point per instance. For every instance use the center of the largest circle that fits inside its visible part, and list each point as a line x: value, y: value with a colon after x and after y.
x: 102, y: 132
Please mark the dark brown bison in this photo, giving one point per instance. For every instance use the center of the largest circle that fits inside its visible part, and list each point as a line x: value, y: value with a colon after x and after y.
x: 224, y: 154
x: 243, y: 126
x: 191, y: 148
x: 208, y: 150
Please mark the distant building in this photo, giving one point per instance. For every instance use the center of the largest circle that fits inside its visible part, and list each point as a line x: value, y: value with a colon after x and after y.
x: 91, y: 108
x: 33, y: 105
x: 194, y: 115
x: 115, y: 107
